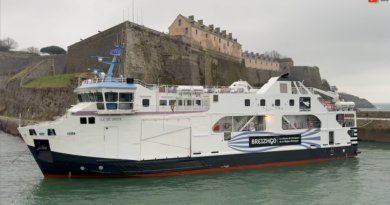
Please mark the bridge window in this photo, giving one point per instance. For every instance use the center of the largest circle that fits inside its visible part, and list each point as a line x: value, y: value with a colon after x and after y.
x: 180, y: 102
x: 163, y: 102
x: 172, y: 102
x: 198, y: 102
x: 145, y: 102
x: 112, y: 106
x: 262, y: 102
x: 91, y: 97
x: 79, y: 97
x: 111, y: 97
x: 125, y: 97
x: 247, y: 102
x: 291, y: 102
x: 189, y: 102
x: 291, y: 122
x: 100, y: 106
x: 125, y: 106
x: 215, y: 98
x: 99, y: 97
x: 85, y: 97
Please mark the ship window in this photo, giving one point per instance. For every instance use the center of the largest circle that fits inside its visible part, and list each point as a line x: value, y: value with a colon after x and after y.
x: 277, y: 102
x: 172, y: 102
x: 125, y: 97
x: 99, y: 97
x: 125, y: 106
x: 32, y: 132
x: 85, y: 97
x: 91, y: 120
x: 262, y: 102
x: 180, y: 102
x: 215, y: 98
x: 80, y: 98
x: 291, y: 102
x: 111, y: 97
x: 100, y: 106
x: 91, y: 97
x: 145, y: 102
x: 189, y: 102
x: 198, y: 102
x: 51, y: 132
x: 83, y: 120
x: 112, y: 106
x: 292, y: 122
x: 247, y: 102
x: 331, y: 138
x: 163, y: 102
x: 179, y: 22
x: 283, y: 87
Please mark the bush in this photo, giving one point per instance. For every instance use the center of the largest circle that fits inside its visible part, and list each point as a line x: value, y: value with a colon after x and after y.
x: 53, y: 50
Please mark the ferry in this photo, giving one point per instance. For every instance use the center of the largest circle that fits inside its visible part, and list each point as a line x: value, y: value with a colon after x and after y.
x: 124, y: 127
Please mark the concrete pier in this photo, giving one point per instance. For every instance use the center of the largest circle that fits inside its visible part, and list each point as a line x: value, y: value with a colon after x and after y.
x: 377, y: 128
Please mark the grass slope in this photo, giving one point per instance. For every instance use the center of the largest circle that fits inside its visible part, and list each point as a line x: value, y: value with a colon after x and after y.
x: 52, y: 81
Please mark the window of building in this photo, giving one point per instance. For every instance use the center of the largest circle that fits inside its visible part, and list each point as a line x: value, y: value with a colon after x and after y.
x: 186, y: 30
x: 196, y: 31
x: 228, y: 43
x: 265, y: 63
x: 247, y: 102
x: 83, y: 120
x: 163, y: 102
x: 179, y: 22
x: 206, y: 35
x: 277, y: 102
x: 111, y: 96
x: 214, y: 38
x: 51, y: 132
x: 215, y: 98
x: 219, y: 40
x: 255, y: 61
x: 32, y: 132
x: 99, y: 97
x: 145, y: 102
x: 250, y: 61
x: 219, y: 49
x: 262, y: 102
x: 100, y: 106
x: 91, y: 120
x: 291, y: 102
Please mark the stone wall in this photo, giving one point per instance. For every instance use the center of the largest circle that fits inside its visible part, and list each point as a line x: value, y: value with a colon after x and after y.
x: 373, y: 114
x: 285, y: 63
x: 377, y: 130
x: 44, y: 68
x: 258, y: 77
x: 16, y: 61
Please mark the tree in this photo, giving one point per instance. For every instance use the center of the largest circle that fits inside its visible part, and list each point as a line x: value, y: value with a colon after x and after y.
x: 8, y: 43
x: 32, y: 49
x: 53, y: 50
x: 273, y: 54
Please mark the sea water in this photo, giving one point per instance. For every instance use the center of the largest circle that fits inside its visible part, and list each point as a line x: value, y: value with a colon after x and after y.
x: 359, y: 180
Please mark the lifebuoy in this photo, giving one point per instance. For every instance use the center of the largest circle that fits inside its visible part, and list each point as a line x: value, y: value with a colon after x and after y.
x: 227, y: 126
x: 223, y: 89
x: 333, y: 107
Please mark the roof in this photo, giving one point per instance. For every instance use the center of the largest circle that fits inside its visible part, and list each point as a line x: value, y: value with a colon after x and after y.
x: 208, y: 29
x: 107, y: 85
x: 258, y: 57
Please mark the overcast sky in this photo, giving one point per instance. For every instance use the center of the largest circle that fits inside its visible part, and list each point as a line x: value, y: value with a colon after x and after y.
x: 349, y: 40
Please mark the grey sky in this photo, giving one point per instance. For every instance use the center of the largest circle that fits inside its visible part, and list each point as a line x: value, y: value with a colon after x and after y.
x: 349, y: 40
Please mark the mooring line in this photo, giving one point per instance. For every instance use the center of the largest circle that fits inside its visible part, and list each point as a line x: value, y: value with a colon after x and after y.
x: 19, y: 156
x: 366, y: 123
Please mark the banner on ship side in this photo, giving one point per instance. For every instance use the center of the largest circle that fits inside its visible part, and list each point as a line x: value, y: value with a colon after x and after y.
x: 274, y: 140
x: 304, y: 104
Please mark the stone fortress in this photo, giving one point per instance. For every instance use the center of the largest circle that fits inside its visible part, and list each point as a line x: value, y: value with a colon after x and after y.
x: 191, y: 53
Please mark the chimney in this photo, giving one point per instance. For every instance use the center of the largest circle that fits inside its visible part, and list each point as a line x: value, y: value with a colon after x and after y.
x: 211, y: 26
x: 252, y: 53
x: 200, y: 21
x: 230, y: 35
x: 217, y: 29
x: 246, y: 51
x: 191, y: 17
x: 257, y: 54
x: 224, y: 32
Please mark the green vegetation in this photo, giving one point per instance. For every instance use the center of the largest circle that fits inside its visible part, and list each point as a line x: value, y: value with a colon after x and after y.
x: 53, y: 50
x: 21, y: 52
x: 52, y: 81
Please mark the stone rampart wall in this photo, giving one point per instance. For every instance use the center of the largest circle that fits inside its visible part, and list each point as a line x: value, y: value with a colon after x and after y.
x: 377, y: 130
x: 44, y: 68
x: 373, y: 114
x: 258, y: 77
x: 15, y: 61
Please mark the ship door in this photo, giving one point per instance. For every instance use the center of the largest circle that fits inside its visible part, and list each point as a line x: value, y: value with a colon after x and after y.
x: 111, y: 142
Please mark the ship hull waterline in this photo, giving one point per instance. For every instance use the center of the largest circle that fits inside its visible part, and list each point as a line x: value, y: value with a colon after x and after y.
x: 59, y: 165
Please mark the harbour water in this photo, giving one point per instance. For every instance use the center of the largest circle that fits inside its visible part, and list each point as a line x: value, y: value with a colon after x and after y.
x: 360, y: 180
x: 381, y: 107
